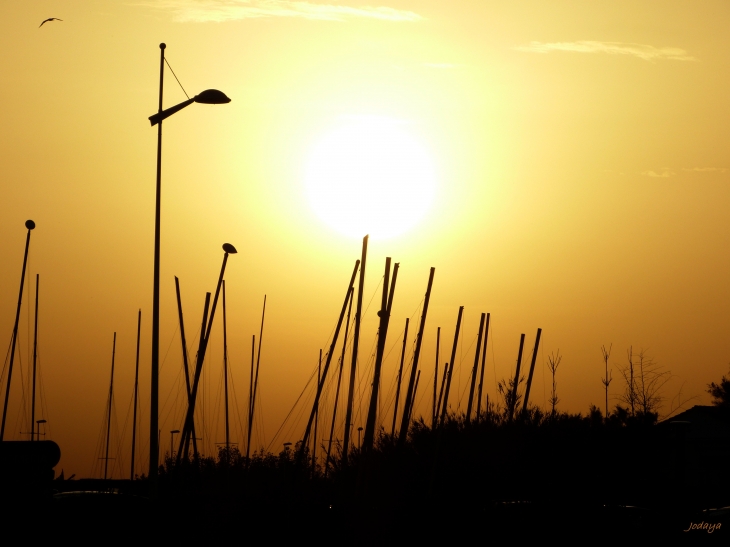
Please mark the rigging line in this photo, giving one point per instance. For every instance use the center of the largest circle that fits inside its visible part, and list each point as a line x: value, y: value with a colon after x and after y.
x: 260, y: 429
x: 494, y: 360
x: 7, y: 357
x: 169, y: 394
x: 172, y: 339
x: 178, y: 81
x: 289, y: 414
x: 237, y: 407
x: 21, y: 416
x: 100, y: 440
x: 126, y: 420
x: 362, y: 380
x: 42, y: 396
x: 466, y: 385
x: 117, y: 436
x: 542, y: 354
x: 471, y: 371
x: 218, y: 406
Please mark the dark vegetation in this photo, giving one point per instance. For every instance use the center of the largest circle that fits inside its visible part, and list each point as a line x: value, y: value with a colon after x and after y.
x: 538, y: 475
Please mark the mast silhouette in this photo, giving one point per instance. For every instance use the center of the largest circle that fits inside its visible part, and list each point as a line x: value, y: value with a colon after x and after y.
x: 109, y: 409
x: 384, y: 314
x: 481, y: 374
x: 35, y: 355
x: 225, y: 368
x: 513, y: 393
x: 441, y: 392
x: 400, y: 376
x: 330, y: 353
x: 255, y: 382
x: 316, y: 417
x: 30, y: 225
x: 250, y: 386
x: 205, y: 337
x: 436, y: 378
x: 411, y: 382
x: 350, y: 294
x: 415, y: 392
x: 136, y: 384
x: 184, y: 438
x: 355, y: 343
x: 532, y: 369
x: 475, y: 369
x: 183, y: 341
x: 445, y: 408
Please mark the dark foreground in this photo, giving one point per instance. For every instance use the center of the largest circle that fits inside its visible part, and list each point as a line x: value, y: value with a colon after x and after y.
x: 567, y: 478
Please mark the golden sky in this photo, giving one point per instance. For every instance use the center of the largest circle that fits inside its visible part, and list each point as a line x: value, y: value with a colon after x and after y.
x: 580, y: 153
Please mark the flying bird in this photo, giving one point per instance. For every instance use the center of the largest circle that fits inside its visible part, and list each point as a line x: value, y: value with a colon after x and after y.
x: 49, y: 19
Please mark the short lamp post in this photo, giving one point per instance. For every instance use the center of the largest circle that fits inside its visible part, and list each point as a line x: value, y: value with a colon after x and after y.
x: 39, y: 422
x: 172, y: 436
x: 209, y: 96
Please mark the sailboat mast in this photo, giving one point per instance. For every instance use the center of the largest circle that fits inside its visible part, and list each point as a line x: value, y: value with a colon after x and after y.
x: 384, y: 313
x: 516, y: 383
x: 481, y: 374
x: 403, y: 433
x: 400, y: 378
x: 355, y: 343
x: 255, y: 381
x: 225, y: 366
x: 35, y: 355
x: 350, y: 294
x: 330, y: 353
x: 436, y: 377
x: 136, y: 384
x: 445, y: 407
x: 415, y: 392
x: 109, y: 409
x: 316, y: 417
x: 189, y: 428
x: 475, y: 369
x: 441, y: 392
x: 184, y: 343
x: 250, y: 388
x: 532, y: 369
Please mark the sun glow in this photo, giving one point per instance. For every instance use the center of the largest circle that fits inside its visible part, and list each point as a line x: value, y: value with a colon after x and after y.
x: 370, y: 176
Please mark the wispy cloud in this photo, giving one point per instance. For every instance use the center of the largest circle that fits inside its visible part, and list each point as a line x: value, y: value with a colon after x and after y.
x: 665, y: 173
x: 708, y: 169
x: 202, y: 11
x: 642, y: 51
x: 440, y: 65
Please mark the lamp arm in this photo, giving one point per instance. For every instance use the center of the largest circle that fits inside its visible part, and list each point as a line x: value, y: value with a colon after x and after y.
x: 157, y: 118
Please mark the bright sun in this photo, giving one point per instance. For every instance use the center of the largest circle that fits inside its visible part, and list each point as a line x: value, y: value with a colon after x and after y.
x: 369, y: 176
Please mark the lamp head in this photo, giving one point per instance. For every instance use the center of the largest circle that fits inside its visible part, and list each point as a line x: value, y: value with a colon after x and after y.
x: 211, y: 96
x: 29, y: 224
x: 230, y: 249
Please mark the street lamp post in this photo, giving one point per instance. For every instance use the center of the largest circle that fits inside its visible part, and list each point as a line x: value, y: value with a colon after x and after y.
x: 210, y: 96
x: 39, y: 422
x: 172, y: 436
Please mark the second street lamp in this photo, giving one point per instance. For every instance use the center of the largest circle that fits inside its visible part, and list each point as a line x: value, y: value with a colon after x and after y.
x: 210, y: 96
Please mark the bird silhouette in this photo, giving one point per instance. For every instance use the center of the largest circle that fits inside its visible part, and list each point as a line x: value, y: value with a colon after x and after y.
x: 49, y: 19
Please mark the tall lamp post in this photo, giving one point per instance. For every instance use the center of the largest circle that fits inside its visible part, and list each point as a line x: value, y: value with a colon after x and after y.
x: 209, y: 96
